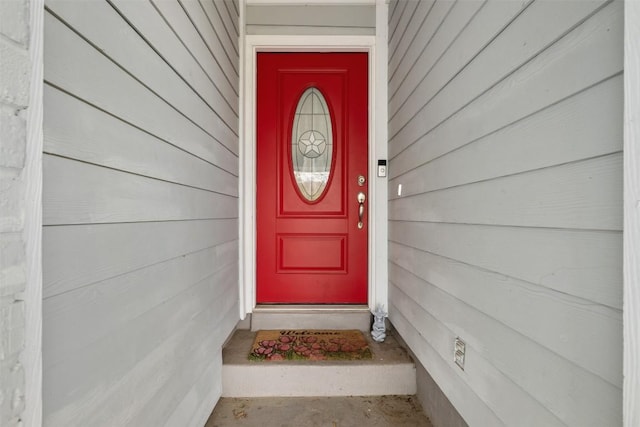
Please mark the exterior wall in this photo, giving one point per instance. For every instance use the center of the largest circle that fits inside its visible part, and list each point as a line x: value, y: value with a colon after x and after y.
x: 140, y: 209
x: 20, y: 217
x: 311, y: 19
x: 434, y: 402
x: 505, y: 127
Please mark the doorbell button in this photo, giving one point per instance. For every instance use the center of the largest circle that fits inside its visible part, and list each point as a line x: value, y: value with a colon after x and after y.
x: 382, y: 168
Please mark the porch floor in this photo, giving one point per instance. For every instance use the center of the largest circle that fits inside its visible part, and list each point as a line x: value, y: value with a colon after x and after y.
x: 376, y: 392
x: 346, y: 411
x: 390, y: 372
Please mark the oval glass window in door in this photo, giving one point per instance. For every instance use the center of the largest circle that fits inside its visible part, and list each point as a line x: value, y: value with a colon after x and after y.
x: 312, y: 144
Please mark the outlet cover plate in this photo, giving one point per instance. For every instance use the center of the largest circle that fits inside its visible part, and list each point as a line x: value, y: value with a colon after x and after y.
x: 459, y: 352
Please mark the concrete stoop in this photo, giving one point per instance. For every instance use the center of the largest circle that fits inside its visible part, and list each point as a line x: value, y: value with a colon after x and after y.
x: 390, y: 372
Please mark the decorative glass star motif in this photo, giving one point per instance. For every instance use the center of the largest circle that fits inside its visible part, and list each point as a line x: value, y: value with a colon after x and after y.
x: 312, y: 144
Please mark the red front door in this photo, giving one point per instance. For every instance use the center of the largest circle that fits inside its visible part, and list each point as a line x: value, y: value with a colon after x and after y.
x: 312, y: 151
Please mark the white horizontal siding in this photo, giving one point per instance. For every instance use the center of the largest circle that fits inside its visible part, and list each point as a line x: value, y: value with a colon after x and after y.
x: 74, y: 58
x: 144, y: 289
x: 127, y: 198
x: 140, y: 209
x: 506, y: 136
x: 112, y: 143
x: 311, y: 19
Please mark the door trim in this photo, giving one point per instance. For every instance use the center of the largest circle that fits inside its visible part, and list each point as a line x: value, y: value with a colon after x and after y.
x: 376, y: 47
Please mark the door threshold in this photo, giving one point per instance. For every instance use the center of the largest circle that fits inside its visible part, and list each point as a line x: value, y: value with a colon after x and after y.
x: 312, y: 316
x: 310, y: 308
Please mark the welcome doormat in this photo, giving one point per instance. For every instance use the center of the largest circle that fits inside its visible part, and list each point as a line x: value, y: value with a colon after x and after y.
x: 310, y: 344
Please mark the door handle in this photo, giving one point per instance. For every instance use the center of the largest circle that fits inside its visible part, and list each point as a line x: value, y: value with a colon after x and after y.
x: 361, y: 199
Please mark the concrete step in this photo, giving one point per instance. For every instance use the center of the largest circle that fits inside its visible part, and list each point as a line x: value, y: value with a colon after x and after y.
x: 311, y: 317
x: 390, y: 372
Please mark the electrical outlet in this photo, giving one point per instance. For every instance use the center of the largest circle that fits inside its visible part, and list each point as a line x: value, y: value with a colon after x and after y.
x: 458, y: 352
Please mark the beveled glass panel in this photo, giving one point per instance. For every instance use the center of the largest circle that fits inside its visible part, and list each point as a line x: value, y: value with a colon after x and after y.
x: 312, y: 144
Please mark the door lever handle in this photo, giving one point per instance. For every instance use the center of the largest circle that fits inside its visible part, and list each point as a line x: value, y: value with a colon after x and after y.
x: 361, y: 199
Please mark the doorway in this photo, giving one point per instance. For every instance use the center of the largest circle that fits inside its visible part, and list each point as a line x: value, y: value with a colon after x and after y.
x: 312, y: 173
x: 376, y: 203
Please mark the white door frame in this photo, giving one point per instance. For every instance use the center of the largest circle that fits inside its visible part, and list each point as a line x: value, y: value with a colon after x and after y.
x: 631, y: 233
x: 377, y: 150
